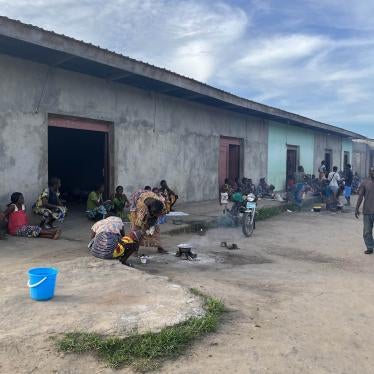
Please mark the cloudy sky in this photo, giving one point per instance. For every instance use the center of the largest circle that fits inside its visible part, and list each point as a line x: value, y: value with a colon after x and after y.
x: 311, y: 57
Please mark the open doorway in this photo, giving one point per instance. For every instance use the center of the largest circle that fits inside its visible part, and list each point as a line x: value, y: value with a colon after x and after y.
x: 78, y: 154
x: 346, y: 160
x: 328, y: 160
x: 291, y: 165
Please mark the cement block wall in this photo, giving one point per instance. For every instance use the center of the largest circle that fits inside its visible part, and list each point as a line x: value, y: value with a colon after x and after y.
x: 323, y: 142
x: 155, y: 136
x: 361, y: 159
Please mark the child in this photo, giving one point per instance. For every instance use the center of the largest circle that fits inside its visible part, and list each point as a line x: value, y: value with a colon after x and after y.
x: 120, y: 202
x: 18, y: 223
x: 97, y: 208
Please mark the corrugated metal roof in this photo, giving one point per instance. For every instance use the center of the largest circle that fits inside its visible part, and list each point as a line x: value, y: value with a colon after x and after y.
x: 72, y: 54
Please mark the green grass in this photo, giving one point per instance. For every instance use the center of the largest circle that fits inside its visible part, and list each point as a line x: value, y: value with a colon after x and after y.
x: 146, y: 352
x: 268, y: 212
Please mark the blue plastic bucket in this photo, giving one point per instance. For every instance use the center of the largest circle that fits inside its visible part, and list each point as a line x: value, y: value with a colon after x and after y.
x: 42, y: 282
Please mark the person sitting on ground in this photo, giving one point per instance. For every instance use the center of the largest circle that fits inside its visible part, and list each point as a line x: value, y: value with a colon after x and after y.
x: 226, y: 187
x: 97, y: 208
x: 249, y: 187
x: 225, y: 192
x: 49, y: 205
x: 334, y: 179
x: 120, y: 202
x: 242, y: 185
x: 109, y: 241
x: 170, y: 196
x: 264, y: 189
x: 146, y: 207
x: 18, y: 222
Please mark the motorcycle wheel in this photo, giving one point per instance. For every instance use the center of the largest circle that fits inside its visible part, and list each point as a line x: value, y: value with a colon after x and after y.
x: 247, y: 225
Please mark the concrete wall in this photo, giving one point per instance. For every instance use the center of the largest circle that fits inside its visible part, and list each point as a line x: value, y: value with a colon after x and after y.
x: 155, y: 136
x: 360, y: 158
x: 323, y: 142
x: 281, y: 136
x: 346, y: 147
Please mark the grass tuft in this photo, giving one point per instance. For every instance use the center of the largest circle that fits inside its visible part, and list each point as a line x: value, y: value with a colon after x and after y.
x: 146, y: 352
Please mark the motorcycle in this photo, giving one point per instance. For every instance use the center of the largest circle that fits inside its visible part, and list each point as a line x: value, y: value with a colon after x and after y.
x: 243, y: 212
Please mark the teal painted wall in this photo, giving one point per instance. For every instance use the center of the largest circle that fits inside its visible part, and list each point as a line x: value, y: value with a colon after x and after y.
x: 279, y: 137
x: 346, y: 147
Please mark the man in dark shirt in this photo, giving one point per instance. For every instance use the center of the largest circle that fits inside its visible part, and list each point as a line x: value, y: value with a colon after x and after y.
x: 348, y: 183
x: 367, y: 192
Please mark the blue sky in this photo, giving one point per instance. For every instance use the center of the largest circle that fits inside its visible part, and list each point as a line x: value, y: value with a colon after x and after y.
x: 311, y: 57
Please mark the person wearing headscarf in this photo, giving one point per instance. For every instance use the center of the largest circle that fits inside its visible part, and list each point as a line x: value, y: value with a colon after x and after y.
x: 109, y: 241
x: 145, y: 209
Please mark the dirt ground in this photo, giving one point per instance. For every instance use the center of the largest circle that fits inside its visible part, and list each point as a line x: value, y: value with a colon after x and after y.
x: 300, y: 297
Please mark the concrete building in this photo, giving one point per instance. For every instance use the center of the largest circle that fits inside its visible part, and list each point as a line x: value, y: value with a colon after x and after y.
x: 362, y: 156
x: 81, y: 112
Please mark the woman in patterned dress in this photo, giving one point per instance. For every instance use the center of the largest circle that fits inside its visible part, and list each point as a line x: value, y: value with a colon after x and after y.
x: 18, y: 223
x: 110, y: 242
x: 49, y: 205
x: 145, y: 209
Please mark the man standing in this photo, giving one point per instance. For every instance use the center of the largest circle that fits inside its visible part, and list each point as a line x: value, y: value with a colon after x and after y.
x: 348, y: 183
x: 367, y: 192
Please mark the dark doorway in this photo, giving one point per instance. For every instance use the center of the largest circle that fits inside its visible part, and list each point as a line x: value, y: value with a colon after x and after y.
x: 346, y: 159
x: 79, y: 158
x: 328, y: 160
x: 234, y: 162
x: 291, y: 165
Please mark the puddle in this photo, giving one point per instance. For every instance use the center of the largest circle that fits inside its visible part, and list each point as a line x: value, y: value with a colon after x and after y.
x: 238, y: 259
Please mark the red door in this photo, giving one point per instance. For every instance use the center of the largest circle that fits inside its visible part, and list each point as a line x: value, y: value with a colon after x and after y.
x: 229, y: 159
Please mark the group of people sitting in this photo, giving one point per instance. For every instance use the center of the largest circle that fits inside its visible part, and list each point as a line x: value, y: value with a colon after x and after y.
x: 119, y: 205
x: 329, y: 185
x: 145, y: 206
x: 246, y: 186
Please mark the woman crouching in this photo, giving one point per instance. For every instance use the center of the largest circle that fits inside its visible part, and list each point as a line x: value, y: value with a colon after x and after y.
x: 108, y: 240
x: 18, y: 223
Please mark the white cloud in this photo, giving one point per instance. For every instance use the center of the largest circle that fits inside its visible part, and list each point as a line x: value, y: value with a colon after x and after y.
x: 314, y: 57
x: 278, y: 49
x: 189, y: 36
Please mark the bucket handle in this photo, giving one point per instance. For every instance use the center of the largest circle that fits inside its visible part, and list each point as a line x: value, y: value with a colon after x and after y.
x: 36, y: 284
